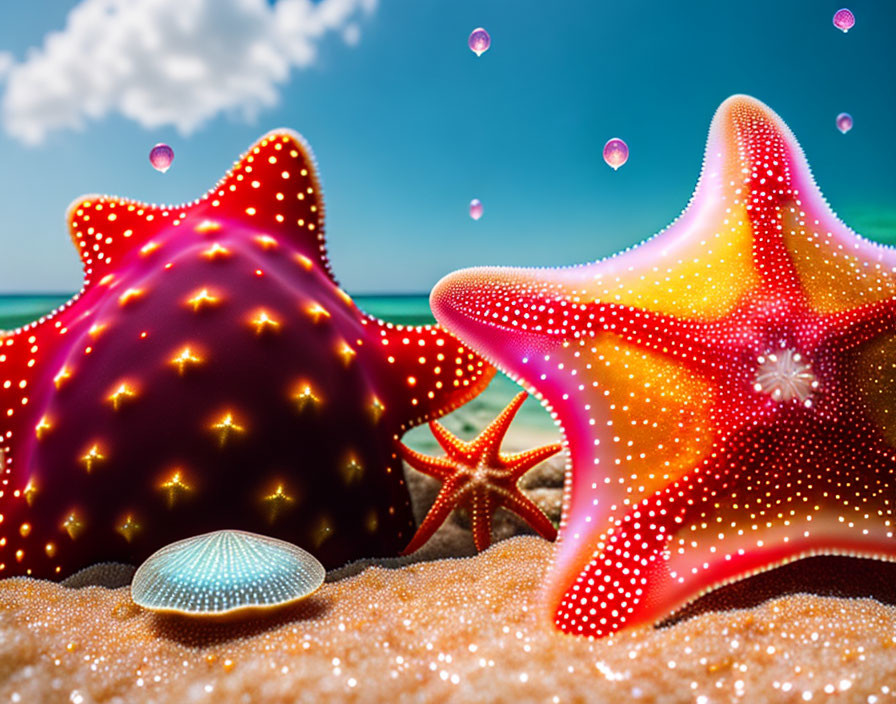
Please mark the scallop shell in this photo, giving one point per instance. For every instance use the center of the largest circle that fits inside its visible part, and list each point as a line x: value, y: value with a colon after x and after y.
x: 225, y: 572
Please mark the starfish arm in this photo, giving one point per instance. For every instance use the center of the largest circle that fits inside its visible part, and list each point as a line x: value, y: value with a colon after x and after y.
x: 664, y: 334
x: 856, y: 326
x: 700, y: 542
x: 489, y: 440
x: 521, y: 462
x: 446, y: 501
x: 279, y: 163
x: 437, y: 467
x: 450, y: 443
x: 555, y: 306
x: 482, y: 507
x: 431, y: 373
x: 529, y: 511
x: 119, y: 227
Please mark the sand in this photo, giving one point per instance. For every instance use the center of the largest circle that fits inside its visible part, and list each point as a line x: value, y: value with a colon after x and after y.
x: 457, y: 630
x: 462, y: 629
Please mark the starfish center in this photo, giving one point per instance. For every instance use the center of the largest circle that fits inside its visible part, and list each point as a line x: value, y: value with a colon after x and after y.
x: 785, y: 375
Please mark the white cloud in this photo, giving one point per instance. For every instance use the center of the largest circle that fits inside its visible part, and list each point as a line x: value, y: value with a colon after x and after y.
x: 167, y: 62
x: 6, y: 60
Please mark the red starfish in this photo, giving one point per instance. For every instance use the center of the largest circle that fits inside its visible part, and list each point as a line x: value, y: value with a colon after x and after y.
x: 212, y: 374
x: 479, y: 477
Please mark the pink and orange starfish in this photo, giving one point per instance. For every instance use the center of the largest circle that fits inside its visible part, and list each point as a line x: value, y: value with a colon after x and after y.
x: 480, y: 478
x: 726, y: 388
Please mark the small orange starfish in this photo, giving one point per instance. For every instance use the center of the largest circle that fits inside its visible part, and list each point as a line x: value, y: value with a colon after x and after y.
x: 479, y: 477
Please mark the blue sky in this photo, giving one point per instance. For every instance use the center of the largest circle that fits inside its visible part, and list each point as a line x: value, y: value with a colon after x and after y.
x: 408, y: 125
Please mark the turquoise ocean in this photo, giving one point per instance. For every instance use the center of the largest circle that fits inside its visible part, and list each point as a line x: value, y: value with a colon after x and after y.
x: 533, y: 426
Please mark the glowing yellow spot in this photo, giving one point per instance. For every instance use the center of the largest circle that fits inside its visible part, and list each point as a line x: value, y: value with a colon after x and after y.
x: 131, y: 294
x: 317, y: 311
x: 41, y: 427
x: 30, y: 491
x: 277, y: 502
x: 175, y: 488
x: 227, y: 427
x: 305, y: 397
x: 250, y: 211
x: 207, y: 226
x: 266, y: 242
x: 50, y: 549
x: 96, y: 329
x: 121, y: 395
x: 184, y: 358
x: 25, y: 530
x: 216, y: 250
x: 202, y: 298
x: 107, y: 279
x: 149, y: 248
x: 129, y: 528
x: 304, y: 261
x: 73, y: 525
x: 376, y: 409
x: 262, y: 321
x: 347, y: 353
x: 63, y: 374
x: 92, y: 457
x: 352, y: 470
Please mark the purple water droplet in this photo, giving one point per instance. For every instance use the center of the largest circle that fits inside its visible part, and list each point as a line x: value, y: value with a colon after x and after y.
x: 161, y: 156
x: 844, y: 122
x: 479, y: 41
x: 475, y: 209
x: 844, y: 19
x: 615, y: 153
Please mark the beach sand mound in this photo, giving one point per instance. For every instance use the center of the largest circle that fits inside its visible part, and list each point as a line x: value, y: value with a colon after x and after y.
x: 465, y: 630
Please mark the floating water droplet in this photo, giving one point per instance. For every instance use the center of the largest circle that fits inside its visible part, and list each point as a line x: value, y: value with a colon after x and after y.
x: 615, y: 153
x: 844, y: 122
x: 475, y: 209
x: 844, y: 19
x: 161, y: 157
x: 479, y: 41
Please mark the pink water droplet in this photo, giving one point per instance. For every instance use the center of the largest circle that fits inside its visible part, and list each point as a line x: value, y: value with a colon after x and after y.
x: 161, y: 156
x: 475, y: 209
x: 615, y: 153
x: 479, y: 41
x: 844, y: 122
x: 844, y: 19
